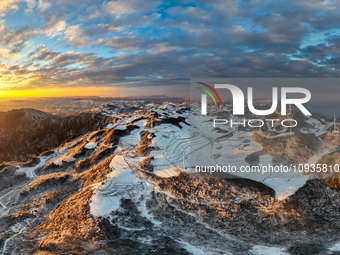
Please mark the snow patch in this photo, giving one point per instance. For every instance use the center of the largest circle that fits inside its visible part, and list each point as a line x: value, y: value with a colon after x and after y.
x: 120, y: 128
x: 335, y: 247
x: 64, y: 158
x: 265, y: 250
x: 111, y: 125
x: 91, y: 145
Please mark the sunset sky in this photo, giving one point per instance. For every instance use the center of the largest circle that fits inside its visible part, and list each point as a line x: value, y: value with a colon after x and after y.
x: 136, y: 47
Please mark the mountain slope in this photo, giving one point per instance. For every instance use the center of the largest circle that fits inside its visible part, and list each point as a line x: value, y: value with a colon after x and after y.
x: 90, y: 196
x: 27, y: 132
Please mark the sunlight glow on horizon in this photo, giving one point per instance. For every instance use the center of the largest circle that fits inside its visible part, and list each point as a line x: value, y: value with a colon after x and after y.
x: 62, y: 92
x: 144, y: 91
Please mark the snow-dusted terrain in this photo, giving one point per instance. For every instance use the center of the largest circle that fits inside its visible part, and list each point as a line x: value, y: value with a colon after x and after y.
x: 135, y: 175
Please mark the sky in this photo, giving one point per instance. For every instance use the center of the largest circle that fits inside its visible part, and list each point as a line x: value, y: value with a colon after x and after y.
x: 138, y: 47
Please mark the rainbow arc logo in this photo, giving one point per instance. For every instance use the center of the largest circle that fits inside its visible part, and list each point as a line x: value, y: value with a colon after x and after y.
x: 204, y: 97
x: 209, y: 93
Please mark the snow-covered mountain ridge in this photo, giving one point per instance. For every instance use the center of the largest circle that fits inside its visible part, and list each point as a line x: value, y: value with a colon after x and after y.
x: 120, y: 189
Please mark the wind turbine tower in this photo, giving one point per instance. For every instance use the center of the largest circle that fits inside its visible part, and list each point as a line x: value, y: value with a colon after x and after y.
x: 291, y: 123
x: 183, y: 152
x: 260, y: 127
x: 334, y: 123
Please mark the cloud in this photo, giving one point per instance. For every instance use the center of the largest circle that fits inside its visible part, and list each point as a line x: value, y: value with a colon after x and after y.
x: 188, y: 12
x: 16, y: 37
x: 283, y: 28
x: 68, y: 58
x: 43, y: 53
x: 100, y: 29
x: 121, y: 7
x: 161, y: 49
x: 133, y: 43
x: 325, y: 5
x: 14, y: 57
x: 43, y: 5
x: 8, y: 5
x: 56, y: 28
x: 30, y: 4
x: 128, y: 42
x: 75, y: 36
x: 3, y: 52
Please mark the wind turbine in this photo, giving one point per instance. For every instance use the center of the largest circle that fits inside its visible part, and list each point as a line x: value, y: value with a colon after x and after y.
x: 334, y: 123
x: 290, y: 109
x: 237, y: 126
x: 183, y: 152
x: 291, y: 123
x: 260, y: 130
x: 201, y: 127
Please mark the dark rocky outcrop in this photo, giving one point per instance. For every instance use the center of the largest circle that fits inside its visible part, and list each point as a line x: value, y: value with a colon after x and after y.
x: 28, y: 132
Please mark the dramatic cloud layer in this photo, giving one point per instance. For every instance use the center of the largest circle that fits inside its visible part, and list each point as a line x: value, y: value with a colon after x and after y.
x: 47, y: 43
